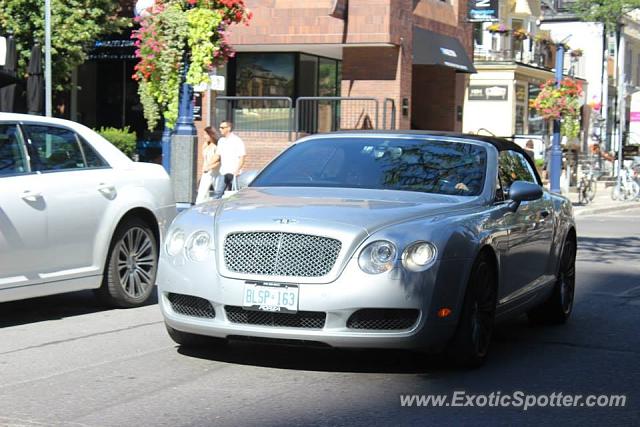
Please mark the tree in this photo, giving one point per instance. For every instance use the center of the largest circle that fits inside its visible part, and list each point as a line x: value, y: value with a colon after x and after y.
x: 608, y: 12
x: 76, y: 24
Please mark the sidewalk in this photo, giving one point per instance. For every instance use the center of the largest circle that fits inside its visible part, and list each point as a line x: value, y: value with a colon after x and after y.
x: 602, y: 203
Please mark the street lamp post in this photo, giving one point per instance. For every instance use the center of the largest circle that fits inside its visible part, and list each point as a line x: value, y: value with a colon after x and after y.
x: 184, y: 143
x: 556, y: 151
x: 622, y: 105
x: 47, y: 59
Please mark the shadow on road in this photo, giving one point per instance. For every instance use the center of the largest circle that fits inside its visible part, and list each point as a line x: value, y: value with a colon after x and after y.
x: 608, y: 249
x: 322, y: 359
x: 53, y: 307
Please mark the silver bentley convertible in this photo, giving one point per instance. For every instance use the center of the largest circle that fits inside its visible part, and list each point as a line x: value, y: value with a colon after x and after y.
x: 418, y: 240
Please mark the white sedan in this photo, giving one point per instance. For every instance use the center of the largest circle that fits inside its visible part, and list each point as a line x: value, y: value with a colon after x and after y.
x: 76, y: 213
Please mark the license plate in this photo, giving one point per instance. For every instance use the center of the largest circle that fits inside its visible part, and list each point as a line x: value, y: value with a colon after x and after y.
x: 275, y: 297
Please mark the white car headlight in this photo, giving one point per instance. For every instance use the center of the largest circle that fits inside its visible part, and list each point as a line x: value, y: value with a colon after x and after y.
x: 377, y: 257
x: 175, y: 242
x: 419, y: 256
x: 198, y: 246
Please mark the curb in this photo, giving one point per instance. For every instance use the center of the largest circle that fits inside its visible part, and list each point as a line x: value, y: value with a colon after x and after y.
x: 605, y: 209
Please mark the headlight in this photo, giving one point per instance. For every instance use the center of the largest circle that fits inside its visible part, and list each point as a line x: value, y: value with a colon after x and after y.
x: 419, y: 256
x: 175, y: 242
x: 377, y: 257
x: 198, y: 246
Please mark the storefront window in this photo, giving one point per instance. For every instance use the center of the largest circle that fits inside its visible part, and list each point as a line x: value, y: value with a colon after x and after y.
x: 327, y: 83
x: 537, y: 125
x: 308, y: 76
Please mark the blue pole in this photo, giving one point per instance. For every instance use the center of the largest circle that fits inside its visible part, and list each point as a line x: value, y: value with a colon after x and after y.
x: 184, y: 124
x: 166, y: 148
x: 556, y: 151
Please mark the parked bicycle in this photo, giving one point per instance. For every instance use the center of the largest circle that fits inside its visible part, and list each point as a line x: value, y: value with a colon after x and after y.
x: 626, y: 187
x: 587, y: 186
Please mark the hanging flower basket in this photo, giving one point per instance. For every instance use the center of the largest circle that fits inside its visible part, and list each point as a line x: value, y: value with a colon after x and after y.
x: 520, y: 34
x: 172, y: 31
x: 576, y: 53
x: 560, y: 103
x: 543, y: 39
x: 498, y: 29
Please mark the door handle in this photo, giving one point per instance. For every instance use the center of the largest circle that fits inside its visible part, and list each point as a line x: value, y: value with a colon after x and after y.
x: 30, y: 196
x: 106, y: 189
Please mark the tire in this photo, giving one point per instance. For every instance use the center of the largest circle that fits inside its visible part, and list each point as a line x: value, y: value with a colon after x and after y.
x: 592, y: 187
x: 615, y: 193
x: 132, y: 262
x: 470, y: 344
x: 582, y: 196
x: 186, y: 339
x: 557, y: 308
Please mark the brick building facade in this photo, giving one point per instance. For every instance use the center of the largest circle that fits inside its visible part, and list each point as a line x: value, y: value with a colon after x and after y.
x: 373, y: 40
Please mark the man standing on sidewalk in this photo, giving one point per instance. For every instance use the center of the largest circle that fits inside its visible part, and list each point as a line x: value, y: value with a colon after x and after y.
x: 232, y: 154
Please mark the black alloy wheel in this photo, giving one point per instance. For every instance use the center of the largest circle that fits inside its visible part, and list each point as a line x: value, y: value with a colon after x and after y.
x: 557, y: 308
x: 470, y: 344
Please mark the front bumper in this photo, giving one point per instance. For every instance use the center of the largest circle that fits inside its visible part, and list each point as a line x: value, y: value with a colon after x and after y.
x: 440, y: 286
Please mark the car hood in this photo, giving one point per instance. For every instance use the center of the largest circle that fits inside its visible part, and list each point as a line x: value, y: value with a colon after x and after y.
x: 353, y: 208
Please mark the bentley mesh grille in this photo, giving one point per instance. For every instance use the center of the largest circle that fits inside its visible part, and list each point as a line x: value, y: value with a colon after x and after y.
x: 301, y: 319
x: 280, y: 254
x: 191, y: 306
x: 383, y: 319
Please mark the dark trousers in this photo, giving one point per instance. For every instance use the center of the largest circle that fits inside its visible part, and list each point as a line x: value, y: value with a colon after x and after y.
x: 228, y: 181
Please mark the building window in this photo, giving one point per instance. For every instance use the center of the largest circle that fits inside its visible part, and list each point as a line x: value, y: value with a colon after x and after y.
x: 265, y: 74
x: 328, y: 77
x: 537, y: 125
x: 478, y: 33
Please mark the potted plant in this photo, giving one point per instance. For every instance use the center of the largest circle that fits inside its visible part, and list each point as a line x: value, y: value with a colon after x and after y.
x: 520, y: 34
x: 498, y: 29
x: 543, y: 39
x: 576, y: 53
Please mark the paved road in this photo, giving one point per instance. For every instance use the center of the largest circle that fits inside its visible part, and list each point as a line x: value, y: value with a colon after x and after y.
x: 66, y: 361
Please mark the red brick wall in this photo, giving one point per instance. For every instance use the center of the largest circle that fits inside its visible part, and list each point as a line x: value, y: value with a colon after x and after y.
x: 434, y: 106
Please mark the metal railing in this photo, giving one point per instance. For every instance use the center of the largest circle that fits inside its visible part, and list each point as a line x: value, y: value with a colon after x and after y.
x: 392, y: 103
x: 257, y: 114
x: 315, y: 114
x: 266, y: 115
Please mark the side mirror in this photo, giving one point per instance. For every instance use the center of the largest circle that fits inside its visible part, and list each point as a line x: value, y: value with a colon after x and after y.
x: 245, y: 178
x: 522, y: 191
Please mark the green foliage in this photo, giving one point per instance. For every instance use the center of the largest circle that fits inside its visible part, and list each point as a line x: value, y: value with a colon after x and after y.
x: 609, y: 12
x: 163, y: 37
x: 202, y: 29
x: 539, y: 163
x: 124, y: 139
x: 75, y: 24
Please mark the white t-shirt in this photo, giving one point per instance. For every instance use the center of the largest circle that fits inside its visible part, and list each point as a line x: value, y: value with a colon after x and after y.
x: 230, y: 149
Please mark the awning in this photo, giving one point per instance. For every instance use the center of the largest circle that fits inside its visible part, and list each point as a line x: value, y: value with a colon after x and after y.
x: 431, y: 48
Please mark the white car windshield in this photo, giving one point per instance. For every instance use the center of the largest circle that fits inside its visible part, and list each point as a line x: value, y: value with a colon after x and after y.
x: 429, y: 166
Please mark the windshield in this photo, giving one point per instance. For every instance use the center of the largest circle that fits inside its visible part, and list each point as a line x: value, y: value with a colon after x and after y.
x: 429, y: 166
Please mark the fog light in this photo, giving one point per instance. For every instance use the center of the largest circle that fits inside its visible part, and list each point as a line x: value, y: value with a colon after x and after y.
x: 419, y: 256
